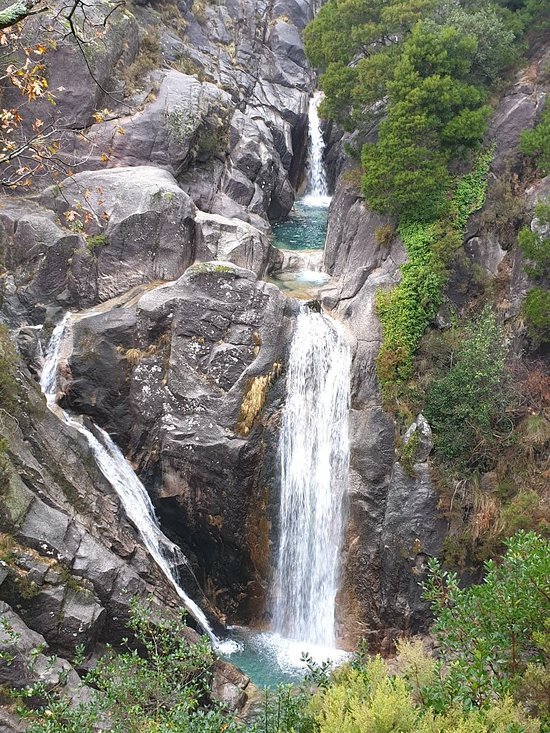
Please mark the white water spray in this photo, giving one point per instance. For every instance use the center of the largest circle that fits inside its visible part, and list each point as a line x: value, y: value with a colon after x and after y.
x: 118, y: 472
x: 317, y: 186
x: 314, y: 459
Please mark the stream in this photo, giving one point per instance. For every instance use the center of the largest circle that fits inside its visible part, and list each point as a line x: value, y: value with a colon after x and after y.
x: 313, y: 457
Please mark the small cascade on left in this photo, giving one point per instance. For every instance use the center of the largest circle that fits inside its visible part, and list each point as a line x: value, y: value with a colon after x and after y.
x: 118, y: 472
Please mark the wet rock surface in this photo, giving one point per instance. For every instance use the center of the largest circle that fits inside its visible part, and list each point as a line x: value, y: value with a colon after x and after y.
x: 198, y: 359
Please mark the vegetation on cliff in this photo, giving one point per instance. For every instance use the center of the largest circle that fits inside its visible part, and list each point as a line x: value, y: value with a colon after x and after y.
x: 424, y: 77
x: 490, y: 673
x: 424, y: 71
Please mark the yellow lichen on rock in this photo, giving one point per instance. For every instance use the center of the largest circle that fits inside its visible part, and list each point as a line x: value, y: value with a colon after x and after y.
x: 254, y: 398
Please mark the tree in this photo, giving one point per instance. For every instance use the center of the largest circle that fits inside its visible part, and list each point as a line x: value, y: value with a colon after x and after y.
x: 466, y: 405
x: 355, y: 43
x: 488, y: 633
x: 31, y: 135
x: 495, y: 33
x: 432, y: 114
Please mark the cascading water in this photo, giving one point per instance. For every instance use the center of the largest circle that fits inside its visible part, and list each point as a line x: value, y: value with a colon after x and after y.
x: 317, y: 186
x: 314, y: 459
x: 118, y: 472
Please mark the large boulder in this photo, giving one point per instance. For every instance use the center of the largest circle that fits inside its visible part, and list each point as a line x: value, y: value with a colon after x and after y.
x: 187, y: 121
x: 232, y: 240
x: 202, y: 379
x: 140, y: 224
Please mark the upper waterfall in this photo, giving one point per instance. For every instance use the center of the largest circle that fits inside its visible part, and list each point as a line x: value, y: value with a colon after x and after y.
x: 317, y: 186
x: 116, y: 469
x: 314, y: 459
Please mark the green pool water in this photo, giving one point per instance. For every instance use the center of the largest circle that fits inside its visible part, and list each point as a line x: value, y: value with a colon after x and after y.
x: 304, y: 228
x: 270, y: 660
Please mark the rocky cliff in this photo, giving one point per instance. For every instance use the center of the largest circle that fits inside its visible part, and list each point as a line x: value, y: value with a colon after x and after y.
x: 160, y: 241
x: 396, y: 518
x: 201, y: 147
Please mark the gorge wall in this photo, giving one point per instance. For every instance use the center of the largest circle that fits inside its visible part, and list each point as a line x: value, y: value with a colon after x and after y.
x: 162, y: 237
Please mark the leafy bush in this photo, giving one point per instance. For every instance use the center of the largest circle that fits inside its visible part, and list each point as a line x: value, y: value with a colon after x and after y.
x: 466, y: 405
x: 536, y: 143
x: 406, y: 311
x: 495, y: 36
x: 488, y: 633
x: 535, y: 243
x: 433, y: 112
x: 366, y: 698
x: 165, y: 689
x: 536, y: 311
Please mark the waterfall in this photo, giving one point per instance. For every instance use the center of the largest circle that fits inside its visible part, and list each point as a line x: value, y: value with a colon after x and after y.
x: 119, y: 474
x: 314, y: 459
x: 317, y: 187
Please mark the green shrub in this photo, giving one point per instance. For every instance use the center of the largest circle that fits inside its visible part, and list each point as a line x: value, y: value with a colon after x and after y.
x: 535, y: 245
x: 163, y: 690
x: 366, y: 698
x: 96, y: 240
x: 466, y: 405
x: 406, y: 311
x: 488, y: 633
x: 536, y: 311
x: 536, y: 143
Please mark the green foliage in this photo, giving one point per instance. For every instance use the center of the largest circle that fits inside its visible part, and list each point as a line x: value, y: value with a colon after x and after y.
x: 536, y: 311
x: 8, y: 363
x: 286, y: 709
x: 528, y: 13
x: 96, y: 240
x: 163, y: 689
x: 488, y: 633
x: 492, y: 644
x: 536, y: 143
x: 433, y: 113
x: 407, y: 310
x: 355, y: 44
x: 535, y: 245
x: 405, y: 172
x: 466, y: 404
x: 367, y: 698
x: 496, y: 48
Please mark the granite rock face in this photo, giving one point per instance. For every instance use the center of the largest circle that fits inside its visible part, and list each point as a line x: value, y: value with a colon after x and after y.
x: 70, y: 561
x: 196, y: 364
x: 394, y: 522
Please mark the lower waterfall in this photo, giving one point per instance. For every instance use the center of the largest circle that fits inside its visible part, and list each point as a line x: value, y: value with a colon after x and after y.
x: 314, y: 460
x: 119, y: 474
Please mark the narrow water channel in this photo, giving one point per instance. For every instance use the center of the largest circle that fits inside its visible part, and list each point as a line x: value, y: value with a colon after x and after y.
x: 313, y: 455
